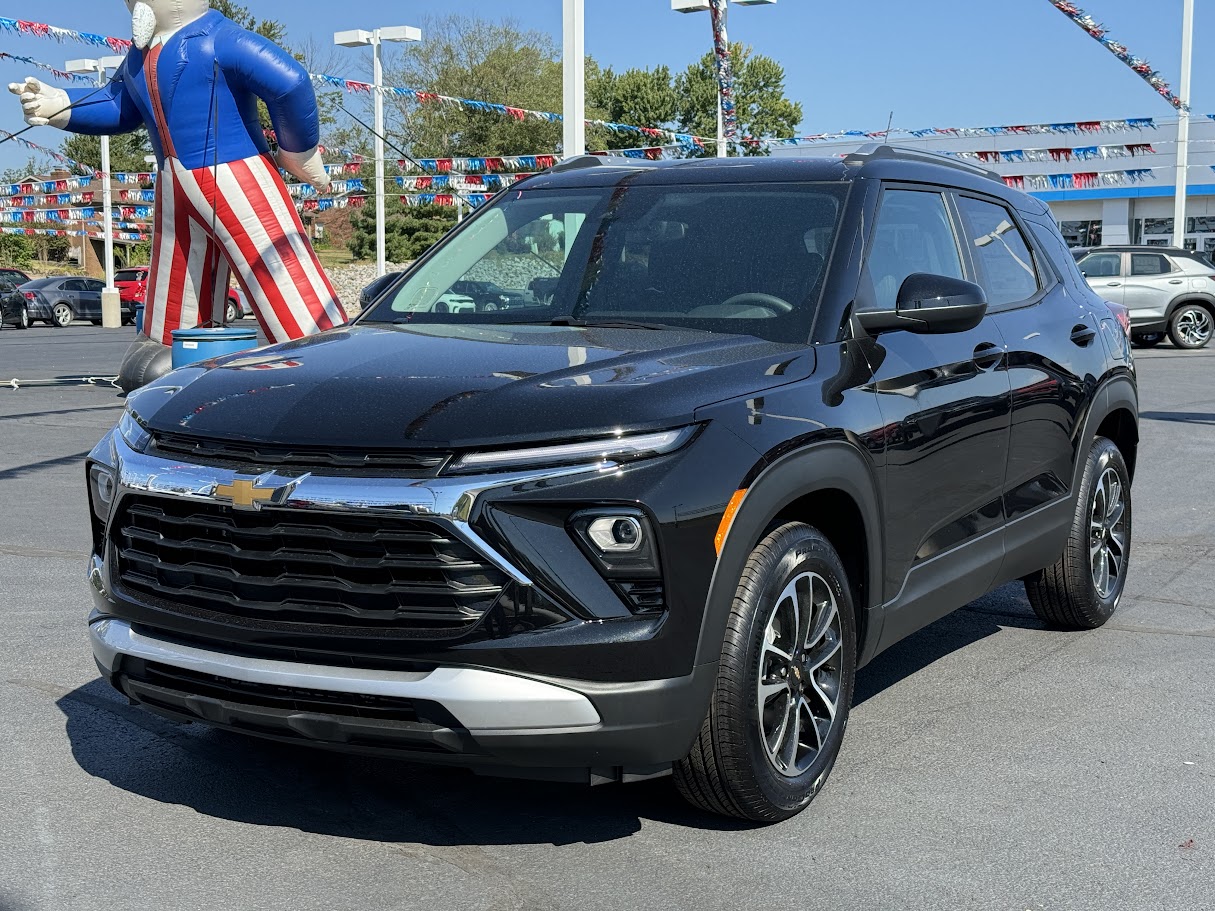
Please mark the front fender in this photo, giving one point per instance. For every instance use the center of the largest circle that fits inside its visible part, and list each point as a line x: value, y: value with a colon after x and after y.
x: 832, y: 465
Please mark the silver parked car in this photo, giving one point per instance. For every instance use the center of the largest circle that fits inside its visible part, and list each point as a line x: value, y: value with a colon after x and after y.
x: 1165, y: 289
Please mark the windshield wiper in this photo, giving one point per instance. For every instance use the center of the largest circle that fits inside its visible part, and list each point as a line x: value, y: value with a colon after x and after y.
x: 591, y: 323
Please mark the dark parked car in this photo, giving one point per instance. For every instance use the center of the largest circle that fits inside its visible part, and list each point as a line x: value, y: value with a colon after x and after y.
x: 58, y: 300
x: 777, y: 415
x: 489, y: 296
x: 12, y: 303
x: 370, y: 294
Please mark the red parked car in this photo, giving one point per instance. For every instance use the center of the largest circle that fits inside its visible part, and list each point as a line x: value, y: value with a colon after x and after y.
x: 132, y: 286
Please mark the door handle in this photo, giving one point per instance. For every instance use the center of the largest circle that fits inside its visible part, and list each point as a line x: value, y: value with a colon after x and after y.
x: 1113, y: 284
x: 1083, y: 335
x: 988, y: 355
x: 1176, y: 281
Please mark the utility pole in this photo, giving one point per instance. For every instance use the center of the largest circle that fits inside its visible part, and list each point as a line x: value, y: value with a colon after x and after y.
x: 573, y: 56
x: 376, y: 38
x: 1183, y: 124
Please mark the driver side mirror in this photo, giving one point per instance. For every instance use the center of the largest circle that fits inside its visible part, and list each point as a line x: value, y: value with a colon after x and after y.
x: 929, y: 305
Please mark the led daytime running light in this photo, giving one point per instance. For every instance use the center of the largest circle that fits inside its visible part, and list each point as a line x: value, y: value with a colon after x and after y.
x: 621, y: 448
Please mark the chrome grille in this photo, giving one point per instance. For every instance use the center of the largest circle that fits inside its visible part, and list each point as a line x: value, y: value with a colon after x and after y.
x: 302, y: 566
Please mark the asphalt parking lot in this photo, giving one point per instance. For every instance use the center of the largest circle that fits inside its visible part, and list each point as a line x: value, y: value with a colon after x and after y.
x: 990, y: 763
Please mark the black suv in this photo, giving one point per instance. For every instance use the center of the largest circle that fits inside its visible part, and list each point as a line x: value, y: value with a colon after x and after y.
x: 775, y: 416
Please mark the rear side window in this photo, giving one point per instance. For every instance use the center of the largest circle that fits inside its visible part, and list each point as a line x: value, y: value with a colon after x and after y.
x: 1101, y: 265
x: 913, y: 234
x: 1002, y: 256
x: 1150, y: 264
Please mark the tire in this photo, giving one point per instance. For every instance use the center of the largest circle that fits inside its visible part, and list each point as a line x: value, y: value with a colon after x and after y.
x: 1147, y: 340
x: 23, y: 321
x: 1191, y: 326
x: 95, y: 322
x: 62, y: 315
x: 732, y: 768
x: 231, y: 312
x: 1070, y: 594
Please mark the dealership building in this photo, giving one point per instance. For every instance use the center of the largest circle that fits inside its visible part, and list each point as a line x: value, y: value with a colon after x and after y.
x: 1111, y: 183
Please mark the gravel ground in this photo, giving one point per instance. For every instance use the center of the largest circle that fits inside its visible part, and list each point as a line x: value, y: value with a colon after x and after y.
x: 348, y: 281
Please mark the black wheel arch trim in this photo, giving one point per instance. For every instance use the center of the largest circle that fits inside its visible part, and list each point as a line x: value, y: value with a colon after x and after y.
x: 832, y: 465
x: 1189, y: 297
x: 1114, y: 394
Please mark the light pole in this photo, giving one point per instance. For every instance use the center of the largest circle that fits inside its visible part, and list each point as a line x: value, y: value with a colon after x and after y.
x: 1183, y: 124
x: 573, y: 57
x: 704, y: 6
x: 111, y: 302
x: 376, y: 38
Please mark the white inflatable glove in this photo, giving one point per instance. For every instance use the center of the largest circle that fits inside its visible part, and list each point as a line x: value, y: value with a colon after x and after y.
x: 307, y: 166
x: 43, y: 104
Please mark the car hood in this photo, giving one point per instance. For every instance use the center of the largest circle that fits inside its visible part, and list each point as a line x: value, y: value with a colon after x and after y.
x: 446, y: 386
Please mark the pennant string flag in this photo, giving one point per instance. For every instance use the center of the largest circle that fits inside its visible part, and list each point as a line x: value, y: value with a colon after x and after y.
x: 46, y: 67
x: 1137, y: 64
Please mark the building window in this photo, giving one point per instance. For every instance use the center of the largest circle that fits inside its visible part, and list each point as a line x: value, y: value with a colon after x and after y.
x: 1081, y: 233
x: 1156, y: 226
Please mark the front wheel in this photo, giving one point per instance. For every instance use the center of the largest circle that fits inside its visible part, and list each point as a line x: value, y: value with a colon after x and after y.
x: 1191, y: 326
x: 61, y: 315
x: 1082, y: 590
x: 784, y: 684
x: 1147, y: 339
x: 23, y: 319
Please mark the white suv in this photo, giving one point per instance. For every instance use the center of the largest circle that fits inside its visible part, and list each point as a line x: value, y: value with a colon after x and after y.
x: 1165, y: 290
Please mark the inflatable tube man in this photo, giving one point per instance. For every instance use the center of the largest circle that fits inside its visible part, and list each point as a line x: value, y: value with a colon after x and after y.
x: 194, y: 78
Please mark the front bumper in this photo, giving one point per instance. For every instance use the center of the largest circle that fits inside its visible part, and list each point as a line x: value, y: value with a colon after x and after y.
x: 489, y: 721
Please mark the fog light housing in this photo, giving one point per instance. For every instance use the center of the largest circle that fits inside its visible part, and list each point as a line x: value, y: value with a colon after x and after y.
x: 103, y: 487
x: 616, y: 534
x: 620, y: 542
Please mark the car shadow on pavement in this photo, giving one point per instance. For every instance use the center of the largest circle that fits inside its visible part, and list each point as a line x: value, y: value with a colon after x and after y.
x: 267, y: 783
x: 1179, y: 417
x: 1006, y: 607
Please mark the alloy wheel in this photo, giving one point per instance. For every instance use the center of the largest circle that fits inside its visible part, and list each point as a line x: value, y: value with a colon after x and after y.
x: 230, y: 313
x: 1194, y: 326
x: 1108, y: 533
x: 62, y: 314
x: 800, y: 673
x: 25, y: 318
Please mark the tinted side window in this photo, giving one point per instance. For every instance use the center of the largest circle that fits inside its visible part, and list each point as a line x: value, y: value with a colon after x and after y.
x: 1101, y: 265
x: 913, y: 234
x: 1002, y: 257
x: 92, y: 284
x: 72, y: 284
x: 1149, y: 264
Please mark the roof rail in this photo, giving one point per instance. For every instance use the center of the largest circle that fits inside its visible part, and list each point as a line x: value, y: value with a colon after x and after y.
x: 575, y: 162
x: 876, y: 151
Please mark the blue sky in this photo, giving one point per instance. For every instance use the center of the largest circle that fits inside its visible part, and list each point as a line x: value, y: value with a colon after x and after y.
x: 933, y: 62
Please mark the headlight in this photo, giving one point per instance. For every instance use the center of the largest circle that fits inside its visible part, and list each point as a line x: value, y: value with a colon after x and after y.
x: 102, y: 487
x: 132, y: 432
x: 615, y: 449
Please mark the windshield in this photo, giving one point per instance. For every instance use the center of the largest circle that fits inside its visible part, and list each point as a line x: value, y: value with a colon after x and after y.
x: 739, y: 259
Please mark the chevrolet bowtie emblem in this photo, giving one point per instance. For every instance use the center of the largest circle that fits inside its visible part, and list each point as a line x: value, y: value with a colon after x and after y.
x: 244, y: 493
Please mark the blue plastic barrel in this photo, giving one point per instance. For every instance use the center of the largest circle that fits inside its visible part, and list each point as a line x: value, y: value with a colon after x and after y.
x: 192, y: 345
x: 139, y: 319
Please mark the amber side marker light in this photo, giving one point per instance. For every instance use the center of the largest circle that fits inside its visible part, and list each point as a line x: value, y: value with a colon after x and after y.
x: 727, y: 520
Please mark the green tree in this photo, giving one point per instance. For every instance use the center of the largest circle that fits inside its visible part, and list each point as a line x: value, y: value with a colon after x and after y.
x: 16, y: 251
x: 127, y: 151
x: 764, y: 111
x: 240, y: 14
x: 636, y: 97
x: 410, y: 231
x: 35, y: 165
x: 469, y: 57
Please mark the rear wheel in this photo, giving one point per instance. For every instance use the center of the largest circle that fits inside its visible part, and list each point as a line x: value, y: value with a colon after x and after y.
x: 1147, y: 339
x: 61, y: 315
x: 1082, y: 590
x: 1191, y: 326
x: 231, y: 312
x: 784, y: 683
